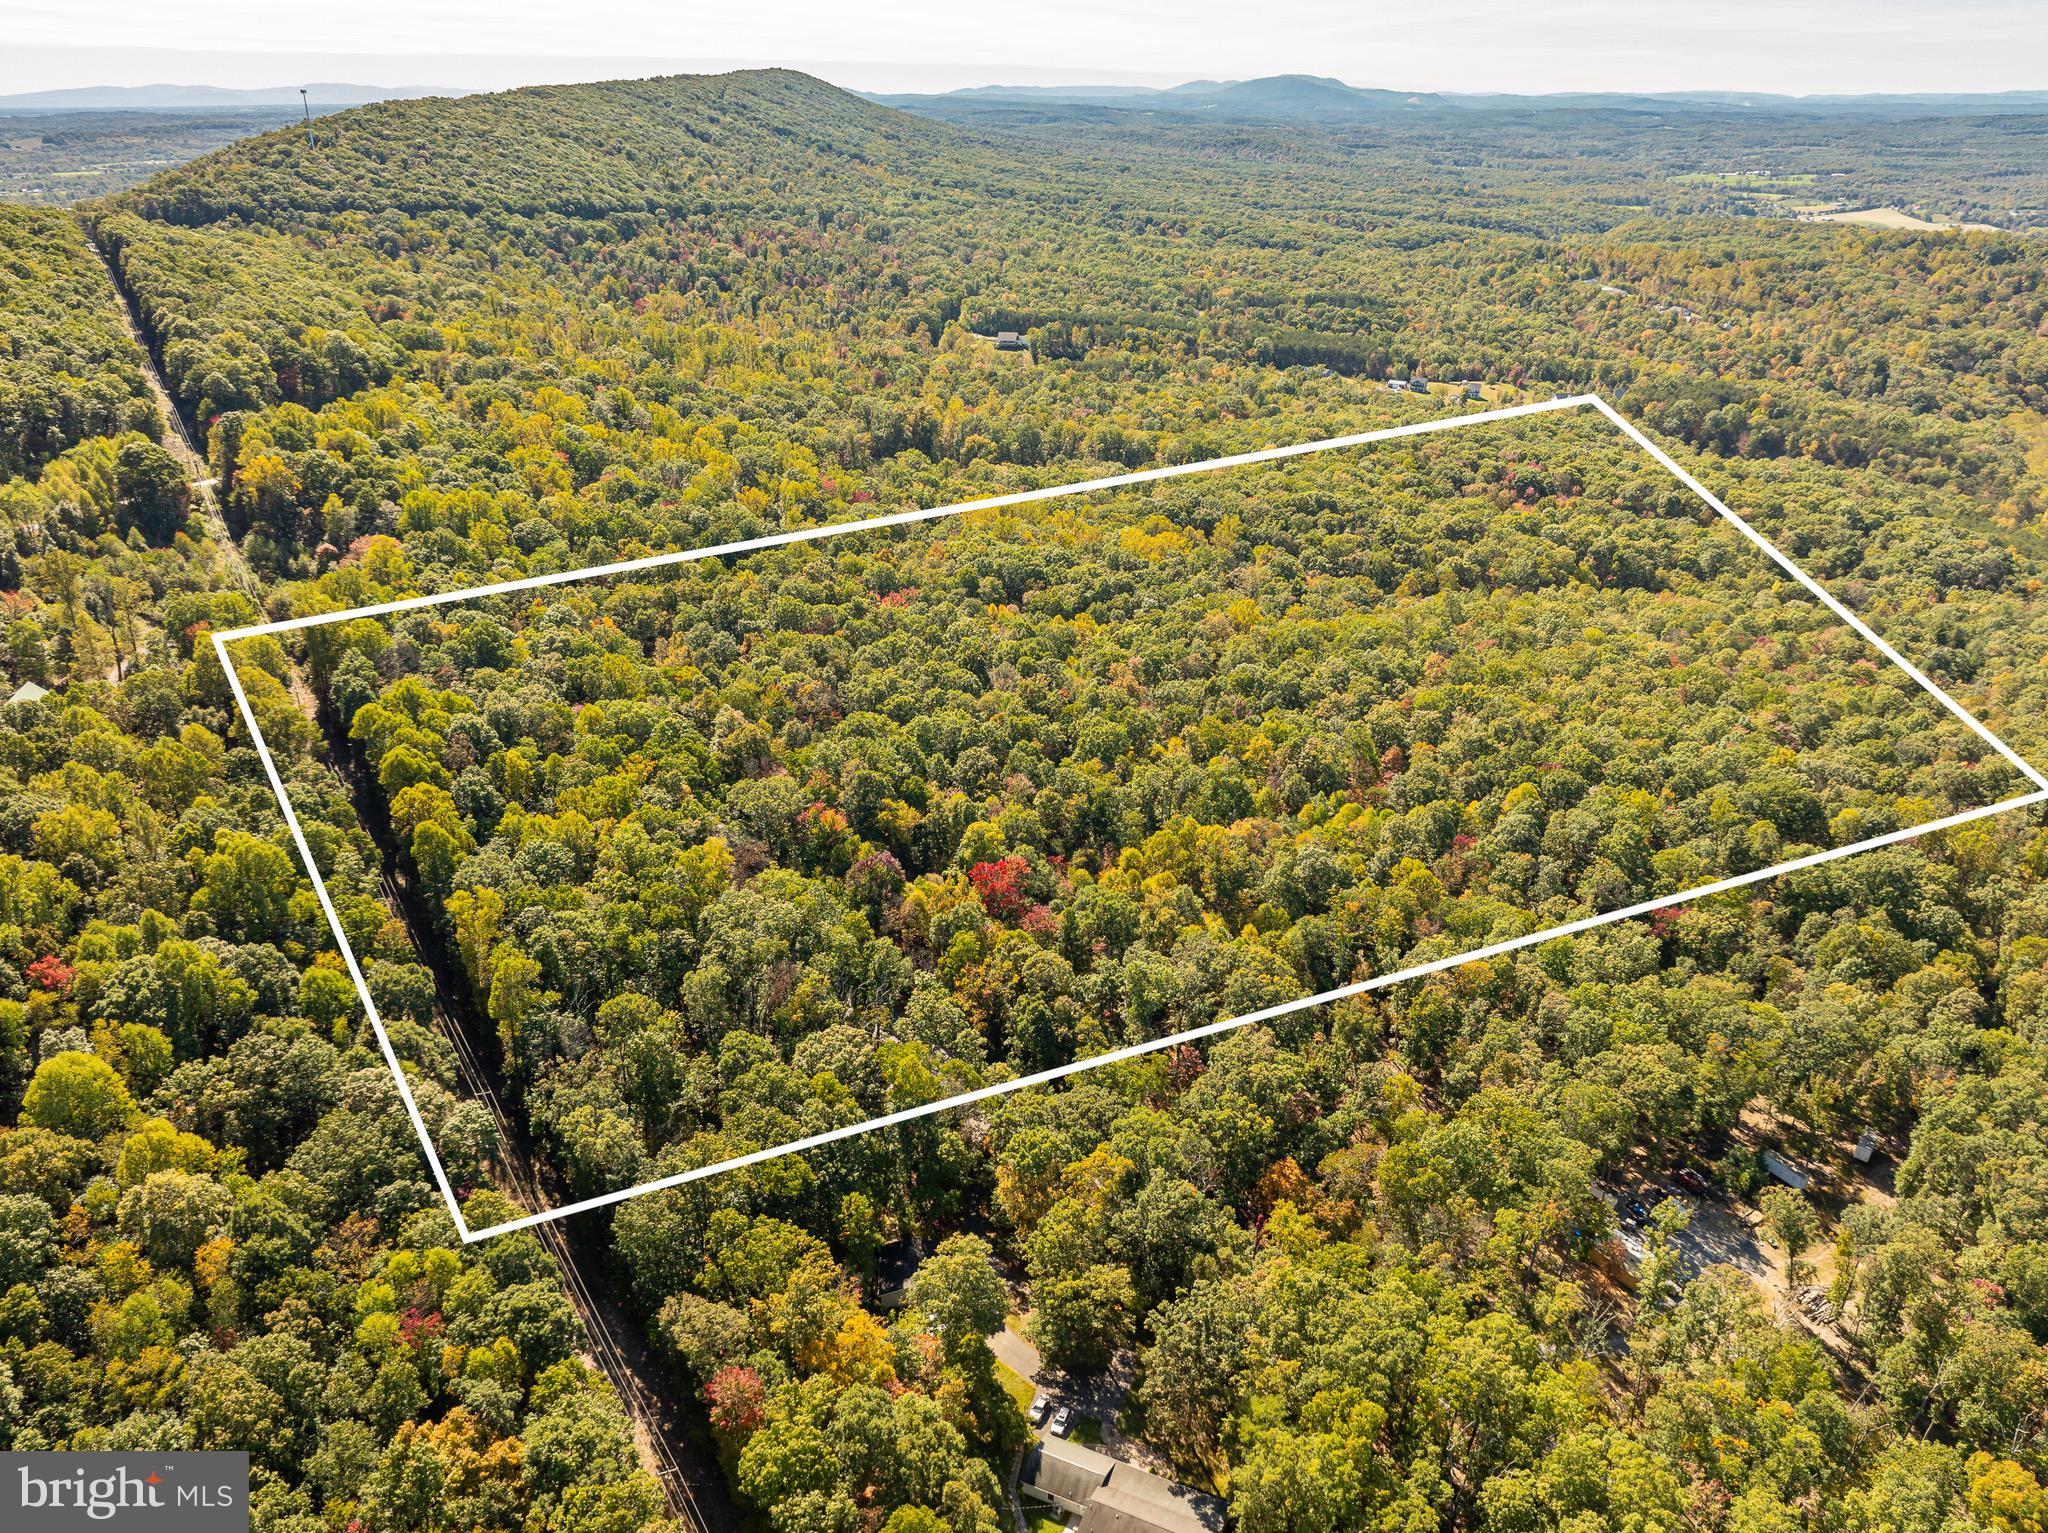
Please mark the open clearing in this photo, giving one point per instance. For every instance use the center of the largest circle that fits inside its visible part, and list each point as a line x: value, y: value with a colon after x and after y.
x: 1892, y: 218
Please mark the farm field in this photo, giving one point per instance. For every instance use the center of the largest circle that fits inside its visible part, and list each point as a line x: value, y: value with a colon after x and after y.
x: 1886, y: 218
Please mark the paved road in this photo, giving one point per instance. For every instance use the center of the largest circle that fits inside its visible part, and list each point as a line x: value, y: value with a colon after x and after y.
x: 1014, y: 1352
x: 1100, y: 1395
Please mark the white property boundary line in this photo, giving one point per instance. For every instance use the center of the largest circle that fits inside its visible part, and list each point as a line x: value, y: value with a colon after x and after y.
x: 221, y: 641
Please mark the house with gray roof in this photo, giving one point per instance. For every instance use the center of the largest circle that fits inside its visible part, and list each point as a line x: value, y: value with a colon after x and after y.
x: 1110, y: 1496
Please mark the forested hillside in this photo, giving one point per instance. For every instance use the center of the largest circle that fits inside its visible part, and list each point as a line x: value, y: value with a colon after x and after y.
x: 759, y: 846
x: 708, y: 142
x: 67, y: 367
x: 1971, y: 161
x: 216, y: 1227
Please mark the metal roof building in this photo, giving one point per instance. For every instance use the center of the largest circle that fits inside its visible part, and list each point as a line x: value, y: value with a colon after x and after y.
x: 1065, y: 1473
x: 1111, y: 1496
x: 1135, y: 1501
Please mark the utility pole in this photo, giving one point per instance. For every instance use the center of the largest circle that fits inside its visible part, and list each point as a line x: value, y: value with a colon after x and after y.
x: 307, y: 108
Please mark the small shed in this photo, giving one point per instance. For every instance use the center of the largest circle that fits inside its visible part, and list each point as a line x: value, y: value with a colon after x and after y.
x: 1009, y: 340
x: 28, y: 692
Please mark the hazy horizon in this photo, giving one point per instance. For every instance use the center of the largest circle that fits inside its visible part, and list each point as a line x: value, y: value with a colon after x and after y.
x: 1782, y: 47
x: 415, y: 75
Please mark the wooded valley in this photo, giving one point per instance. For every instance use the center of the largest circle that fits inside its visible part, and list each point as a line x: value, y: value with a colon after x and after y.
x: 707, y: 858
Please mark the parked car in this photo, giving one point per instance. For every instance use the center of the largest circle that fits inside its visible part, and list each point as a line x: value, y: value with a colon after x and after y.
x: 1040, y: 1404
x: 1063, y: 1421
x: 1691, y: 1181
x: 1636, y: 1212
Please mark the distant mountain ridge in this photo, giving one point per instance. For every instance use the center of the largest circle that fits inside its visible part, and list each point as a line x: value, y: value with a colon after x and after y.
x: 1270, y: 96
x: 1322, y: 97
x: 189, y: 98
x: 1292, y: 95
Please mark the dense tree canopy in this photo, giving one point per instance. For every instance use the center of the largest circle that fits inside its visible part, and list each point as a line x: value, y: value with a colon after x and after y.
x: 764, y: 846
x: 216, y: 1228
x: 913, y: 806
x: 68, y: 368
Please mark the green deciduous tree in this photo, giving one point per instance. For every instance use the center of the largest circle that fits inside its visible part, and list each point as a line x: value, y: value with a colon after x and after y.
x: 77, y: 1094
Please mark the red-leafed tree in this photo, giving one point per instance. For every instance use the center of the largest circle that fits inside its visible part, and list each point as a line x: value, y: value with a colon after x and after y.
x: 739, y: 1400
x: 50, y: 973
x: 1001, y: 886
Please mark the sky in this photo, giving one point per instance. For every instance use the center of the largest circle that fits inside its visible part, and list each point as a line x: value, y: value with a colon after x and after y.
x: 1795, y: 47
